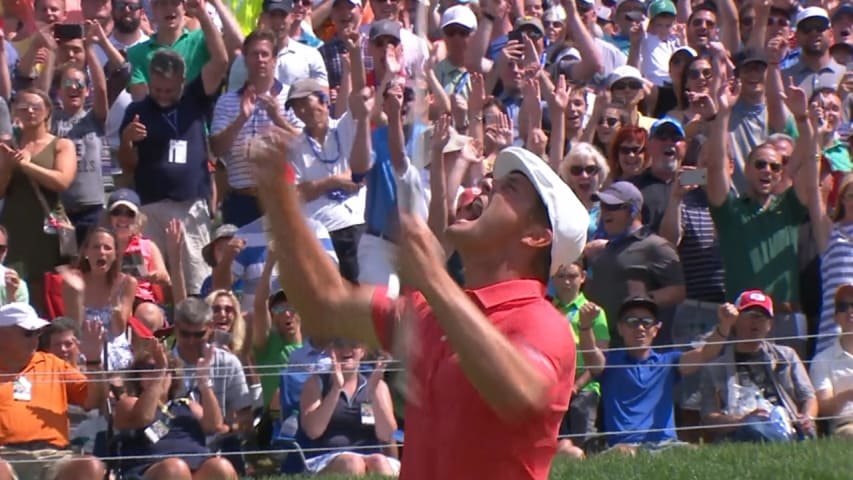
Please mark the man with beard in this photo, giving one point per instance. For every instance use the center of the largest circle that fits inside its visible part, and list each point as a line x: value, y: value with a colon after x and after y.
x: 816, y: 68
x: 127, y: 18
x: 758, y: 231
x: 702, y: 26
x: 294, y: 61
x: 666, y: 149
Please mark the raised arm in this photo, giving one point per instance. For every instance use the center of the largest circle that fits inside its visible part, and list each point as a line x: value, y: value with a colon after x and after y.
x: 101, y: 106
x: 709, y: 350
x: 805, y: 179
x: 232, y: 34
x: 777, y: 114
x: 715, y: 150
x: 591, y: 61
x: 558, y: 103
x: 175, y: 251
x: 5, y: 74
x: 261, y: 320
x: 133, y: 413
x: 727, y: 20
x: 214, y: 70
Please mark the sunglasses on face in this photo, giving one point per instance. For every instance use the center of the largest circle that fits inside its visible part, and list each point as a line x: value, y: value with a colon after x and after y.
x: 614, y: 208
x: 533, y: 34
x: 635, y: 322
x: 578, y: 170
x: 763, y: 164
x: 280, y: 308
x: 702, y: 22
x: 626, y: 150
x: 609, y: 121
x: 697, y: 73
x: 668, y: 136
x: 627, y: 85
x: 122, y: 212
x: 456, y: 32
x: 73, y: 83
x: 815, y: 27
x: 227, y: 309
x: 842, y: 306
x: 189, y: 334
x: 130, y: 6
x: 781, y: 22
x: 553, y: 24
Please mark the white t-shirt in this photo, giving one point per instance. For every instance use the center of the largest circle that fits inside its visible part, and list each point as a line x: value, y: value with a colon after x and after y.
x: 654, y: 58
x: 833, y: 369
x: 294, y: 62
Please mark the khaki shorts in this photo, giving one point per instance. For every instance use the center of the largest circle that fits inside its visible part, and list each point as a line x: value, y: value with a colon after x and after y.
x: 41, y: 464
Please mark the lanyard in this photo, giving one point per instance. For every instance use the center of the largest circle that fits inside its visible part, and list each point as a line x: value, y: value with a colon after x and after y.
x: 316, y: 152
x: 460, y: 85
x: 172, y: 119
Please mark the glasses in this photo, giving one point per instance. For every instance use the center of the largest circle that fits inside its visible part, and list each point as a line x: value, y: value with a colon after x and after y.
x: 697, y: 73
x: 626, y: 150
x: 627, y: 85
x: 228, y: 309
x: 635, y: 322
x: 189, y: 334
x: 668, y: 136
x: 453, y: 31
x: 26, y: 107
x: 552, y: 24
x: 578, y: 170
x: 280, y: 308
x: 122, y: 212
x: 128, y: 5
x: 775, y: 167
x: 614, y: 208
x: 703, y: 22
x: 73, y: 83
x: 815, y: 27
x: 779, y: 22
x: 842, y: 306
x: 609, y: 121
x: 531, y: 33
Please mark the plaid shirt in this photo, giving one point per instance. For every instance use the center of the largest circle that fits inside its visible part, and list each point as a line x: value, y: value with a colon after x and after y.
x: 331, y: 53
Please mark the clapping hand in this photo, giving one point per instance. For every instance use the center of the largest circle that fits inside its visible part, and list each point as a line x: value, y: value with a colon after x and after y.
x: 92, y: 339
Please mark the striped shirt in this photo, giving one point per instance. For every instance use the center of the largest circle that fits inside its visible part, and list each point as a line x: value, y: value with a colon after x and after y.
x: 331, y: 52
x: 836, y: 269
x: 249, y: 264
x: 226, y: 110
x: 699, y: 250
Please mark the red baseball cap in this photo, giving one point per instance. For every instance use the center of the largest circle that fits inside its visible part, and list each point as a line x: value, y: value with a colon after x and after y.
x: 754, y: 298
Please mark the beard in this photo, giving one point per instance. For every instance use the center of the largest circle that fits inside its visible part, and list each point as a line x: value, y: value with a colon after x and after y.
x: 127, y: 25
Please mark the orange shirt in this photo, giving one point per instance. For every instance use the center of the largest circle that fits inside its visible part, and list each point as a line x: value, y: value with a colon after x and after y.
x: 44, y: 417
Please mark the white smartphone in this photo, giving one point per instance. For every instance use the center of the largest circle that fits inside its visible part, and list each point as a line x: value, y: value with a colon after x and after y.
x: 698, y: 176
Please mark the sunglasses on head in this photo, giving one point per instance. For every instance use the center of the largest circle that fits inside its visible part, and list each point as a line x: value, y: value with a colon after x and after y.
x: 697, y: 73
x: 626, y: 150
x: 223, y: 309
x: 189, y: 334
x: 627, y: 85
x: 280, y: 308
x: 609, y: 121
x: 637, y: 321
x: 811, y: 28
x: 122, y: 212
x: 843, y: 307
x: 782, y: 22
x: 578, y: 170
x: 775, y: 167
x: 614, y: 208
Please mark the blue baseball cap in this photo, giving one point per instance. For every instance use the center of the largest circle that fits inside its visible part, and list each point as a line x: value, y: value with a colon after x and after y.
x: 662, y: 122
x: 124, y: 197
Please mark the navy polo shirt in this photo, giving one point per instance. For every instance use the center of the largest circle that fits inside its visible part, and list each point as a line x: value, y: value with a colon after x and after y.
x: 156, y: 178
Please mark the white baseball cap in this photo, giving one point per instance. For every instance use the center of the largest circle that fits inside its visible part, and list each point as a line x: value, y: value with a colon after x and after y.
x: 623, y: 72
x: 811, y: 12
x: 569, y: 218
x: 459, y: 15
x: 22, y: 315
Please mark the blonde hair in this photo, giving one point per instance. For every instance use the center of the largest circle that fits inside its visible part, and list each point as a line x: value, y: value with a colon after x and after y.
x: 581, y: 152
x: 238, y: 328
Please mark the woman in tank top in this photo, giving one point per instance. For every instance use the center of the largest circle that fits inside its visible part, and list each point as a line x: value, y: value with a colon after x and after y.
x: 36, y: 160
x: 362, y: 416
x: 158, y: 420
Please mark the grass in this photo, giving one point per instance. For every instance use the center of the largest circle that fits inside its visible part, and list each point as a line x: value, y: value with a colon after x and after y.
x: 813, y: 460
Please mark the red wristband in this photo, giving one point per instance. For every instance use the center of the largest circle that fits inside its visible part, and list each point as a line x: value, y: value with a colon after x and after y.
x: 289, y: 174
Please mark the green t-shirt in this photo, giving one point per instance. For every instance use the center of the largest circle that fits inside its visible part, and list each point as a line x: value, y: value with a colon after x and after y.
x: 839, y: 157
x: 759, y: 246
x: 191, y: 46
x: 599, y: 329
x: 276, y: 353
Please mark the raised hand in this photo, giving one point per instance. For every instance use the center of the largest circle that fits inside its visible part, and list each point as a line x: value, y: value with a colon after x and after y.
x: 92, y: 339
x: 702, y: 103
x: 393, y: 101
x: 361, y: 103
x: 727, y: 315
x: 270, y: 158
x: 499, y: 130
x: 727, y: 96
x: 477, y: 98
x: 94, y: 33
x: 559, y: 100
x: 537, y: 142
x: 337, y: 371
x: 174, y: 237
x: 135, y: 131
x: 352, y: 41
x: 194, y: 8
x: 679, y: 190
x: 440, y: 134
x: 13, y: 282
x: 234, y: 247
x: 776, y: 49
x: 71, y: 279
x: 795, y: 99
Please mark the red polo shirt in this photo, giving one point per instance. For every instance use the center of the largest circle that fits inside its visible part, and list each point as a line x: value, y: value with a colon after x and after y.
x: 451, y: 432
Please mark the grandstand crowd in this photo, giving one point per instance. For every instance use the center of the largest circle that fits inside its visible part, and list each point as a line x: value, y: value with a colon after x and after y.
x: 685, y: 169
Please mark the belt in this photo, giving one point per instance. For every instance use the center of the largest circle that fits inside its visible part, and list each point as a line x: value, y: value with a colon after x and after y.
x: 701, y: 304
x: 248, y: 191
x: 32, y: 446
x: 384, y: 236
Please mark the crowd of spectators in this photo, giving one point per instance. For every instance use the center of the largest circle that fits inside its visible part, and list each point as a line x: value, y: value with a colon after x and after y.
x: 707, y: 140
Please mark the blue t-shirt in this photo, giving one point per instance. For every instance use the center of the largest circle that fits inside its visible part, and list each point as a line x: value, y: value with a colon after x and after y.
x: 636, y: 395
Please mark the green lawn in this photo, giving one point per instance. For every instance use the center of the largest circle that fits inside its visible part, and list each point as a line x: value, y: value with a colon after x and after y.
x: 814, y: 460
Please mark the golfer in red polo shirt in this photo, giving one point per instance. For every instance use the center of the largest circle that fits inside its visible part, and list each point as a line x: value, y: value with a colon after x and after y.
x: 494, y: 364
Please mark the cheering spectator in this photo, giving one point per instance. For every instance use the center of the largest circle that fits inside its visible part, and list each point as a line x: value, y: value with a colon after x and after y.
x: 627, y: 88
x: 637, y: 382
x: 666, y: 150
x: 584, y: 170
x: 832, y: 369
x: 346, y: 16
x: 627, y: 157
x: 33, y: 412
x: 229, y: 325
x: 752, y: 378
x: 32, y: 175
x: 164, y: 148
x: 158, y: 423
x: 816, y: 68
x: 345, y: 409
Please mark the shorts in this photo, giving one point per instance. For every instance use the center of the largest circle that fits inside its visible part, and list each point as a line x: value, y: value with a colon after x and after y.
x: 651, y: 447
x: 579, y: 421
x: 42, y: 464
x: 319, y: 463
